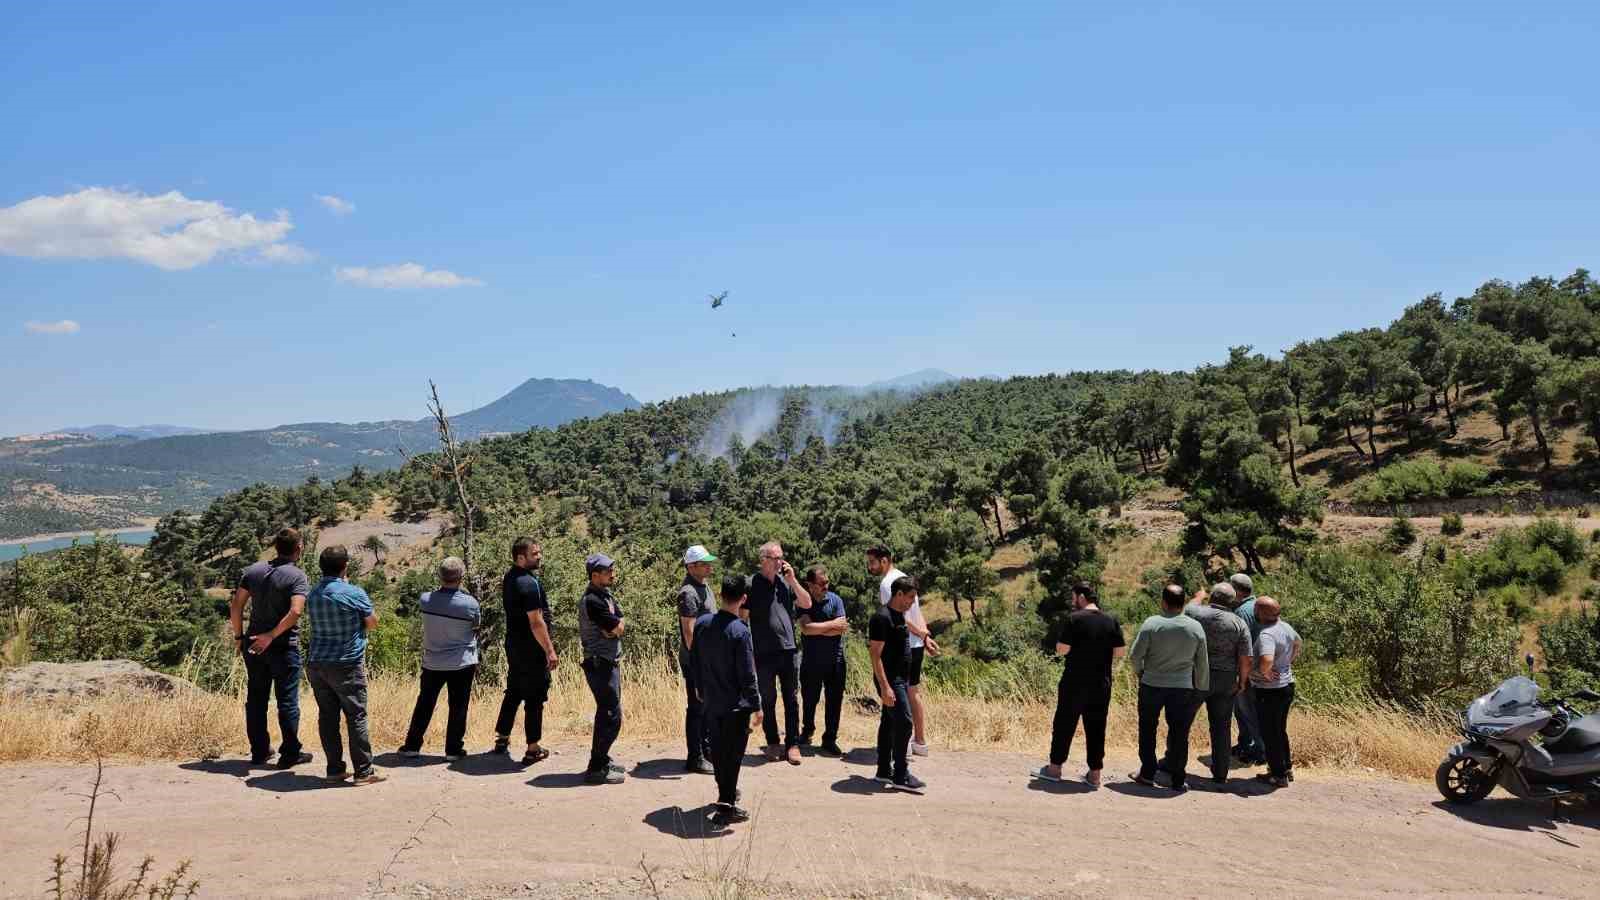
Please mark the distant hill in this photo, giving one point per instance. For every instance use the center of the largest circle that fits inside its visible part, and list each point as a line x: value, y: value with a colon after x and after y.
x: 149, y: 476
x: 913, y: 381
x: 134, y: 431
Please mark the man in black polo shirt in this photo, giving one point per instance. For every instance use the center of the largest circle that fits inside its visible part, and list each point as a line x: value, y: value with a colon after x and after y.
x: 1091, y: 640
x: 775, y: 594
x: 530, y: 654
x: 276, y: 592
x: 600, y: 629
x: 693, y: 600
x: 887, y: 641
x: 725, y: 666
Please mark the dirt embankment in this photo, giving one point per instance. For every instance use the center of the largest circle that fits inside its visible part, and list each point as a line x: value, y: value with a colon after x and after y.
x: 483, y: 828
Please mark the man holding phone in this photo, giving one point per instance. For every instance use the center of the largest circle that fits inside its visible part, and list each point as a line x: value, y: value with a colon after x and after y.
x: 775, y: 594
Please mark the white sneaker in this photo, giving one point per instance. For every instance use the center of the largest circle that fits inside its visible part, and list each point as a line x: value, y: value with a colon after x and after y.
x: 919, y: 749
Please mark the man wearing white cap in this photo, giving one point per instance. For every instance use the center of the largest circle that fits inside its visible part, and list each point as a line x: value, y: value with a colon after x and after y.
x: 694, y: 601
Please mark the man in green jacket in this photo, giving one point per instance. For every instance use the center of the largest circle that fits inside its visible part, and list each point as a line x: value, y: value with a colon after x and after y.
x: 1169, y: 657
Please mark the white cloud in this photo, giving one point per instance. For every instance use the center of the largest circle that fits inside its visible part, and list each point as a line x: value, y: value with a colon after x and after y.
x: 65, y: 326
x: 285, y: 253
x: 336, y: 205
x: 406, y: 276
x: 169, y: 231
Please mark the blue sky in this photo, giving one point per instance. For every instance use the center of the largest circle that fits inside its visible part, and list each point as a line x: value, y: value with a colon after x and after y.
x: 984, y: 188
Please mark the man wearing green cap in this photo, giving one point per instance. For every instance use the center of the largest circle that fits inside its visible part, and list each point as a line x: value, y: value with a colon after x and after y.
x: 694, y: 601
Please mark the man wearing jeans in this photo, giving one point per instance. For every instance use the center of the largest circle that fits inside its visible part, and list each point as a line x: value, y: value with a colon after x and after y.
x: 1250, y: 749
x: 600, y: 628
x: 775, y: 594
x: 276, y: 592
x: 341, y: 615
x: 888, y: 644
x: 1169, y: 656
x: 1273, y: 678
x: 1228, y: 648
x: 450, y: 620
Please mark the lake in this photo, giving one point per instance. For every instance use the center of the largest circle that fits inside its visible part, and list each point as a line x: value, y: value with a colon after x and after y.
x: 12, y: 551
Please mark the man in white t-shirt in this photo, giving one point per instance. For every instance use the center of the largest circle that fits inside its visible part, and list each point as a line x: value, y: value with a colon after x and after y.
x: 880, y: 564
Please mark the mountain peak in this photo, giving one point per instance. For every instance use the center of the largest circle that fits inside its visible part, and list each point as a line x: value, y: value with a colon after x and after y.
x: 919, y: 379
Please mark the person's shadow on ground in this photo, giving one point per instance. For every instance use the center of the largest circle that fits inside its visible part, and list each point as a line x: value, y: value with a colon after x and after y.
x: 488, y: 764
x: 664, y: 769
x: 393, y: 760
x: 1046, y: 786
x: 690, y: 825
x: 1513, y: 814
x: 1135, y: 789
x: 238, y: 768
x: 859, y: 785
x: 861, y: 756
x: 289, y: 782
x: 562, y: 780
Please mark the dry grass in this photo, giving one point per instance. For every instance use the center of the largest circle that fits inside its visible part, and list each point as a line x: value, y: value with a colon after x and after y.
x: 197, y: 724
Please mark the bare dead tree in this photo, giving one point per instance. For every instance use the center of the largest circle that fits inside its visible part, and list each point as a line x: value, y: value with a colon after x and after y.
x: 458, y: 465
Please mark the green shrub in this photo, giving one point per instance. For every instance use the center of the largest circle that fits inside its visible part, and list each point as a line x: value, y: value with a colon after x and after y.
x: 1558, y: 536
x: 1400, y: 534
x: 1418, y: 479
x: 1571, y: 647
x: 1451, y: 524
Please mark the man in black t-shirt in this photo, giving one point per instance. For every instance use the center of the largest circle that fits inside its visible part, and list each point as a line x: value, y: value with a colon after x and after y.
x: 1091, y: 640
x: 530, y: 653
x: 775, y: 595
x: 693, y: 600
x: 276, y: 592
x: 887, y: 640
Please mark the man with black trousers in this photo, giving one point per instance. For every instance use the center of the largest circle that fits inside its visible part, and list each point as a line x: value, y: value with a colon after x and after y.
x: 530, y: 653
x: 1169, y: 656
x: 600, y: 628
x: 822, y: 670
x: 725, y: 674
x: 888, y: 642
x: 693, y: 600
x: 276, y: 592
x: 775, y: 594
x: 1091, y: 641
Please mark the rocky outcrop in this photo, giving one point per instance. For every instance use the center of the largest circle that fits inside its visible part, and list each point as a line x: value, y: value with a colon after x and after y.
x: 83, y: 680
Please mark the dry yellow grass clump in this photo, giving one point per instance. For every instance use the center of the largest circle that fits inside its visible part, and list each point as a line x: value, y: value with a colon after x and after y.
x: 198, y: 724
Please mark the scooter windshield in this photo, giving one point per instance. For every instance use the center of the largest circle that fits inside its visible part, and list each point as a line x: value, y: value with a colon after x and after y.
x: 1513, y: 698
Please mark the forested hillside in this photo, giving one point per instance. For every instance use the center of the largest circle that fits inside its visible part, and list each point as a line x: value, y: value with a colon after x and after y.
x: 1249, y: 448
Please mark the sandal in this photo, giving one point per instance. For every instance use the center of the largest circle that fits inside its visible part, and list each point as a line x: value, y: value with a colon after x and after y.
x: 537, y: 756
x: 1043, y: 774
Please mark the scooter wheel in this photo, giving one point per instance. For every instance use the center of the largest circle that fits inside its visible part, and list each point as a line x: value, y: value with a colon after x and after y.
x: 1460, y: 779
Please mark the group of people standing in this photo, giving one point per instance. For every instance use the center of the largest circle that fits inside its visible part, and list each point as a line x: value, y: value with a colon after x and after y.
x: 774, y: 637
x: 1225, y: 650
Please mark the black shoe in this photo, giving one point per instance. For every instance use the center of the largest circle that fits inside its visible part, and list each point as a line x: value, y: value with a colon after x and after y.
x: 501, y: 748
x: 830, y: 749
x: 699, y: 767
x: 289, y: 762
x: 728, y: 815
x: 883, y: 778
x: 337, y: 774
x: 609, y: 776
x: 616, y: 767
x: 1179, y: 787
x: 260, y: 760
x: 804, y: 740
x: 1141, y: 778
x: 911, y: 784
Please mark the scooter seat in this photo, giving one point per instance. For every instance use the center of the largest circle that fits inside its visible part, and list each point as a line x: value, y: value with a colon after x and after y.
x: 1562, y: 765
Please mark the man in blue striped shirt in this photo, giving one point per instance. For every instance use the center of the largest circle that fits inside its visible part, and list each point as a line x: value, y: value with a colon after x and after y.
x: 341, y: 615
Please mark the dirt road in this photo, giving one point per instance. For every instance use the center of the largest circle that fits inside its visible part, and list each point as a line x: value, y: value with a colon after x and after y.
x: 483, y: 828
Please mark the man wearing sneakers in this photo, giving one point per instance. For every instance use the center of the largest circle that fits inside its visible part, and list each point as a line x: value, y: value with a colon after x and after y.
x: 880, y: 563
x: 336, y: 667
x: 530, y: 654
x: 1169, y: 656
x: 724, y: 662
x: 1228, y: 647
x: 889, y: 644
x: 600, y: 628
x: 1251, y: 749
x: 1091, y: 641
x: 1276, y: 649
x: 276, y: 592
x: 693, y: 601
x: 450, y: 620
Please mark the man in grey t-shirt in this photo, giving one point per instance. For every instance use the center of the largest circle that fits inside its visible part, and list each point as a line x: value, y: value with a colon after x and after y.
x: 450, y: 620
x: 276, y: 592
x: 1273, y: 678
x: 1228, y: 651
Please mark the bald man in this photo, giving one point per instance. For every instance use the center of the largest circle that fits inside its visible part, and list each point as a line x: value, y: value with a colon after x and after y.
x: 1276, y: 649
